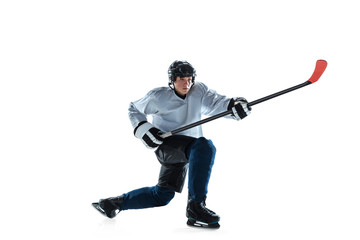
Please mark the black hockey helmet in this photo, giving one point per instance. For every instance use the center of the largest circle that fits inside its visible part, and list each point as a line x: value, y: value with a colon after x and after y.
x: 181, y: 69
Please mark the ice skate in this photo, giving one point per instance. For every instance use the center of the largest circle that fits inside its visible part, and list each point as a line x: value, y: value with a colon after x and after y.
x: 109, y: 207
x: 200, y: 216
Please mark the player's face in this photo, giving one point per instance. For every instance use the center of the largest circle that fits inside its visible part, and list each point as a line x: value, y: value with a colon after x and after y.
x: 182, y: 85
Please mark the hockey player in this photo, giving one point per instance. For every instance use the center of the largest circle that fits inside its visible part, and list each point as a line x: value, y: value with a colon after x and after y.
x: 180, y: 104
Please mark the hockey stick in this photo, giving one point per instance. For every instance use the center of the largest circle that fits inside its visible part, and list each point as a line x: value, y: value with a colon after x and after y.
x: 319, y: 70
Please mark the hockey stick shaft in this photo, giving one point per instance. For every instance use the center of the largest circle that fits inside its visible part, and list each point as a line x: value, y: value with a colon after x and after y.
x: 278, y: 93
x: 319, y: 69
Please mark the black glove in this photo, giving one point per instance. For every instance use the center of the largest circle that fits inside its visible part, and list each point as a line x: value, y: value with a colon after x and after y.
x: 239, y: 107
x: 148, y: 134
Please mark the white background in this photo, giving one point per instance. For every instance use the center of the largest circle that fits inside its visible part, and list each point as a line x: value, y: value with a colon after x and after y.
x: 69, y: 69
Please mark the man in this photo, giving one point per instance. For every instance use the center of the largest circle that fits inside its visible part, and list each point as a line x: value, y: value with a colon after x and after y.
x: 180, y: 104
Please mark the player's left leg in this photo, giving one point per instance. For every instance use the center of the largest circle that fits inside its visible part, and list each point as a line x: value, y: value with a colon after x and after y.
x: 201, y: 155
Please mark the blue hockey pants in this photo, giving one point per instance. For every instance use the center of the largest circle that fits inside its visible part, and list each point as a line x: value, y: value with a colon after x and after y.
x: 197, y: 155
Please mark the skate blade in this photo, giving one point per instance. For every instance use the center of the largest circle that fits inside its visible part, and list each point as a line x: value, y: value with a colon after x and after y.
x: 102, y: 211
x: 199, y: 224
x: 97, y: 207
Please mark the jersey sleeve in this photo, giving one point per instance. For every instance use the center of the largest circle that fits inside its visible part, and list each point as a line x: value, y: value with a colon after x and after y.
x: 212, y: 102
x: 138, y: 110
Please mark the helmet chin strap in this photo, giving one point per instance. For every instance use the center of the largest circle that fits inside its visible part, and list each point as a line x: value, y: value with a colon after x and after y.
x: 171, y: 85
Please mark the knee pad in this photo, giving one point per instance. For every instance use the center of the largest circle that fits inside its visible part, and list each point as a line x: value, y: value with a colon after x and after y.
x: 207, y: 145
x: 163, y: 195
x: 203, y: 149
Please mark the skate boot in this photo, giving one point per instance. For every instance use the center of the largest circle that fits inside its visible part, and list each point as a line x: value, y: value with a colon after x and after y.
x: 109, y: 207
x: 200, y: 216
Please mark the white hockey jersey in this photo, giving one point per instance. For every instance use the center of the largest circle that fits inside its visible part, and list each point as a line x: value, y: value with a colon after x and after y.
x: 170, y: 112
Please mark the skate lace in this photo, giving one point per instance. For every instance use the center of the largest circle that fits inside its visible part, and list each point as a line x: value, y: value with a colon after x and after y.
x: 206, y: 210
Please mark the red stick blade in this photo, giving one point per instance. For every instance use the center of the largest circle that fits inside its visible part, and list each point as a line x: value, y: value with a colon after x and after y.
x: 319, y: 70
